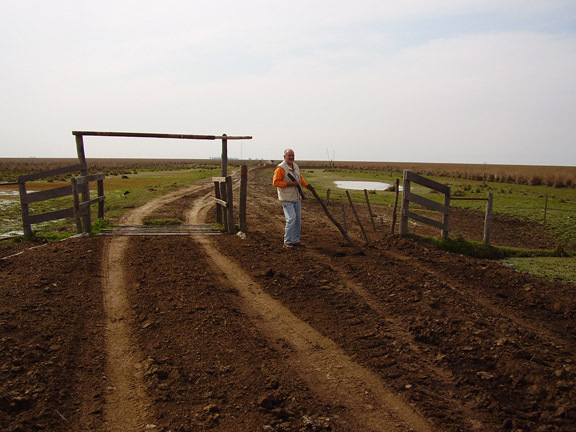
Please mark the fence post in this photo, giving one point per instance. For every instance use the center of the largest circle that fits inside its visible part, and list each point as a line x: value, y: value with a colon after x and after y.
x: 229, y: 205
x: 358, y: 218
x: 394, y: 212
x: 25, y: 209
x: 224, y: 156
x: 405, y: 208
x: 488, y: 219
x: 84, y: 188
x: 225, y: 210
x: 446, y: 216
x: 218, y: 196
x: 370, y: 210
x: 77, y: 216
x: 243, y: 196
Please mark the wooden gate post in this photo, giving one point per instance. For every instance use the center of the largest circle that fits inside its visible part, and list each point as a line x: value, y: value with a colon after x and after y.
x: 25, y: 209
x: 225, y: 209
x: 229, y: 205
x: 405, y: 207
x: 218, y: 196
x: 394, y: 212
x: 224, y: 156
x: 85, y: 187
x: 446, y: 216
x: 243, y: 196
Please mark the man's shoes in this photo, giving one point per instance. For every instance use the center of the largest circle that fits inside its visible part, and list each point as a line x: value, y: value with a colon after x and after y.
x: 288, y: 246
x: 299, y: 244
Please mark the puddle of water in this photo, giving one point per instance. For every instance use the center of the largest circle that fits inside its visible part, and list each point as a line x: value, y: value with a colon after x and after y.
x: 5, y: 204
x: 361, y: 185
x: 11, y: 234
x: 6, y: 192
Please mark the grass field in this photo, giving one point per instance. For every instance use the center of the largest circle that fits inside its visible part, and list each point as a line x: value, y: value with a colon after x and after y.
x: 131, y: 182
x: 125, y: 188
x: 519, y: 200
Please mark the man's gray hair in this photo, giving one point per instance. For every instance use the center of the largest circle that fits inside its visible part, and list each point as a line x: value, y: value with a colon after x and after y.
x: 287, y: 150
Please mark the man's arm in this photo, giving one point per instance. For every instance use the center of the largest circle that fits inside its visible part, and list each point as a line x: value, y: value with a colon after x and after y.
x: 278, y: 179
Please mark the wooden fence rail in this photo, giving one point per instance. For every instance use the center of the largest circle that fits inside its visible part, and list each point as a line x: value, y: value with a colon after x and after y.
x: 27, y: 198
x: 487, y: 216
x: 408, y: 197
x: 82, y: 209
x: 223, y: 198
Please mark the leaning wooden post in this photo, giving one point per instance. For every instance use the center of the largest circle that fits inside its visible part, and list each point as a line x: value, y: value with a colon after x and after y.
x: 85, y: 187
x: 344, y: 217
x: 332, y: 219
x: 405, y: 208
x: 224, y: 156
x: 358, y: 218
x: 488, y: 219
x: 243, y: 195
x: 370, y: 210
x: 229, y: 205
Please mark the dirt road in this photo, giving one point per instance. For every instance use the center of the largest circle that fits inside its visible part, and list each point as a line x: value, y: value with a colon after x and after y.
x: 188, y: 333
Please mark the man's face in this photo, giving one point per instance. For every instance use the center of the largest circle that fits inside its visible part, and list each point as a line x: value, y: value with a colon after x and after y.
x: 289, y: 157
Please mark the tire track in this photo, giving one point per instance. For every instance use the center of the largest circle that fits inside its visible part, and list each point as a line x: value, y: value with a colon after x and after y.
x: 127, y: 406
x: 320, y: 362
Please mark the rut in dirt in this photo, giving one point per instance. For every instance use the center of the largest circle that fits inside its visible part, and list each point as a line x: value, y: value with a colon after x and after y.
x: 328, y: 370
x: 127, y: 405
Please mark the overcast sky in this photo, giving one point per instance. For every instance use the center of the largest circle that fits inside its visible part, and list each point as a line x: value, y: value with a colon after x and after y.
x: 464, y: 81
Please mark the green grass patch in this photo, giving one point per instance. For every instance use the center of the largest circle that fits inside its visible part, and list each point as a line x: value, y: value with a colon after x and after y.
x: 517, y: 200
x: 475, y: 249
x: 123, y: 192
x: 162, y: 222
x: 556, y: 269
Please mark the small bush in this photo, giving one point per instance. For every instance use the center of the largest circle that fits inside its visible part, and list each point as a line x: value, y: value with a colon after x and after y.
x: 535, y: 181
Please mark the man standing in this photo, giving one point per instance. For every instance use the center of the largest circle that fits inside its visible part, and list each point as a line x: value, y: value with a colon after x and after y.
x: 287, y: 179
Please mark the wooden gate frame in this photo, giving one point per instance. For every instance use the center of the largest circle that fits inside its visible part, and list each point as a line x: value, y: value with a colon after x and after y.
x: 408, y: 196
x: 487, y: 216
x: 84, y: 190
x: 224, y: 199
x: 82, y: 209
x: 78, y: 209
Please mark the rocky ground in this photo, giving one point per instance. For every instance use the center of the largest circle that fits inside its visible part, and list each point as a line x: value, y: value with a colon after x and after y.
x: 189, y: 333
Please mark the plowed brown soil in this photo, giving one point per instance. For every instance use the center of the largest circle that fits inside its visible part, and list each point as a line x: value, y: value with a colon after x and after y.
x: 191, y: 333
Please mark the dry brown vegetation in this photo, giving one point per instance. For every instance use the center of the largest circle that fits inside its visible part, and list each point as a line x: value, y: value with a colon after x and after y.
x: 11, y: 168
x: 534, y: 175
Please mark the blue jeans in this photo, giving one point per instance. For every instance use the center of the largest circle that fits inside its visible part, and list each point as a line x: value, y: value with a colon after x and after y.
x: 293, y: 221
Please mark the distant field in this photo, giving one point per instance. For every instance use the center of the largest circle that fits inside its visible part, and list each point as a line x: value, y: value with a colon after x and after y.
x: 534, y: 175
x: 520, y: 191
